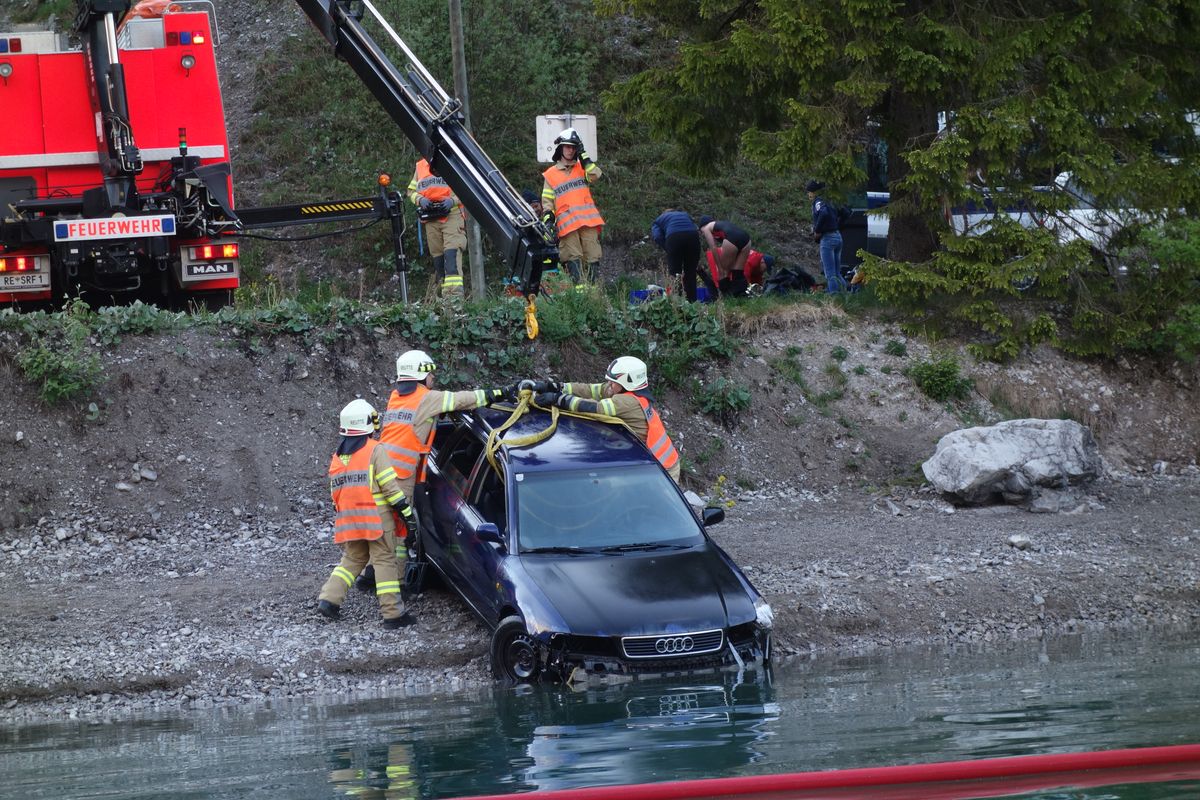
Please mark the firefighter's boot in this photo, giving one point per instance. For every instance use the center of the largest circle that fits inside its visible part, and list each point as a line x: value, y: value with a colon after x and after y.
x: 439, y: 268
x: 328, y: 610
x: 575, y: 269
x: 452, y: 284
x: 365, y: 582
x: 593, y: 272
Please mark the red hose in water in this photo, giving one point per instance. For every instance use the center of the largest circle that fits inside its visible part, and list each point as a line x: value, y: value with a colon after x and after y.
x: 1186, y: 757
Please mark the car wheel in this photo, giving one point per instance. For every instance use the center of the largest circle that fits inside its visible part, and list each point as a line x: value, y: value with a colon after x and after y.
x: 514, y: 653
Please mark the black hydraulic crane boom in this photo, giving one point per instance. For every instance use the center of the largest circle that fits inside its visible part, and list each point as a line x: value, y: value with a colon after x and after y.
x: 433, y: 122
x: 120, y: 160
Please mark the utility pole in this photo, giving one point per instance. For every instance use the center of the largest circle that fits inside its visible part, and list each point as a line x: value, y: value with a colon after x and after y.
x: 458, y: 54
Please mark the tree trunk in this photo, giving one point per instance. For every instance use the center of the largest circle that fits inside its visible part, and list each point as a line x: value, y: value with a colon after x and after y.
x: 911, y: 121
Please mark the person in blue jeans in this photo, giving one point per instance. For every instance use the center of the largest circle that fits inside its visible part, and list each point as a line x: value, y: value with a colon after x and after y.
x: 826, y: 232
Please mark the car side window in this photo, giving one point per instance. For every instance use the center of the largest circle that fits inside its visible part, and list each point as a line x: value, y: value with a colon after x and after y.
x: 488, y: 497
x: 461, y: 453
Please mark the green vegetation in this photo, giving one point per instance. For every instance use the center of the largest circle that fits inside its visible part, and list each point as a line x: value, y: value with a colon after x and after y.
x: 895, y: 347
x: 724, y: 400
x: 1029, y: 93
x: 58, y: 359
x: 41, y: 10
x: 940, y: 379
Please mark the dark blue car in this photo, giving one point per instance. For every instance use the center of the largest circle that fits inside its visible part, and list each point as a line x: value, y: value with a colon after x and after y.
x: 581, y: 554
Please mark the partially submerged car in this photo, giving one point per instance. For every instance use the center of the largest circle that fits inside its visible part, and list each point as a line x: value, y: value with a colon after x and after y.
x: 582, y: 555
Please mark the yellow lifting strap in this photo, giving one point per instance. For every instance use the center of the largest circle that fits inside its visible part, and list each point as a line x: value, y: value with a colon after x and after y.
x: 531, y: 323
x: 524, y: 403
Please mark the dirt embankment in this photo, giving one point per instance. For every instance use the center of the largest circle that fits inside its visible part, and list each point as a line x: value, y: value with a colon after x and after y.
x: 168, y: 552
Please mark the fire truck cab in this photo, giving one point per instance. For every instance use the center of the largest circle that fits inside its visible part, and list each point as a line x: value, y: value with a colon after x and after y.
x: 114, y: 160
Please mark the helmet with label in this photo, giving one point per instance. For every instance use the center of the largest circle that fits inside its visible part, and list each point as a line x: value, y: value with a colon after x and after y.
x: 568, y: 136
x: 629, y: 372
x: 358, y: 418
x: 414, y: 366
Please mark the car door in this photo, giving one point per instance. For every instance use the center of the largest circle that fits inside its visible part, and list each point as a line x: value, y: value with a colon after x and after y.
x: 483, y: 560
x: 456, y: 452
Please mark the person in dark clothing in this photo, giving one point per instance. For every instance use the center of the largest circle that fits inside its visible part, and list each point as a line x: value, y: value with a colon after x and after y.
x: 729, y: 245
x: 827, y: 232
x: 676, y: 233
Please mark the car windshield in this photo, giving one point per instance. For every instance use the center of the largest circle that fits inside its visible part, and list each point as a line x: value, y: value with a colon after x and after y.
x: 619, y: 507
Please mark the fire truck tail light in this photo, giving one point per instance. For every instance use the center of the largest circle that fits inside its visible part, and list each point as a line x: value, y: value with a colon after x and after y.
x: 18, y: 264
x: 172, y: 38
x: 215, y: 252
x: 198, y: 38
x: 12, y: 45
x: 185, y: 37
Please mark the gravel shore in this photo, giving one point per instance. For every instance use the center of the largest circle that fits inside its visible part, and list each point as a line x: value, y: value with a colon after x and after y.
x: 107, y: 616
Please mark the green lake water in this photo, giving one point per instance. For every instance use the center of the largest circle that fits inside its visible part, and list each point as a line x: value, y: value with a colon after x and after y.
x: 905, y: 707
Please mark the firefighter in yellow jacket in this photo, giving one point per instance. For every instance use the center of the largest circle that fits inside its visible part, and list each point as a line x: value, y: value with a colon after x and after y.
x: 445, y: 225
x: 367, y: 499
x: 624, y: 394
x: 569, y: 206
x: 409, y: 424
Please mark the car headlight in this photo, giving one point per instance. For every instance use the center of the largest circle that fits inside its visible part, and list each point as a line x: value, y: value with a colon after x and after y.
x: 763, y: 613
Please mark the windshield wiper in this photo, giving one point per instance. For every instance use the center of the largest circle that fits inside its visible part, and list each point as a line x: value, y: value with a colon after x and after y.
x: 629, y: 548
x: 570, y: 551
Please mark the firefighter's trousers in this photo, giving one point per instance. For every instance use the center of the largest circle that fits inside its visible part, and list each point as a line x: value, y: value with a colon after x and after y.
x: 382, y: 553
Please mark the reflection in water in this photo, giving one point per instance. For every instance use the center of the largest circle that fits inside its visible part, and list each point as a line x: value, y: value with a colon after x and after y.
x: 1079, y: 694
x: 684, y: 731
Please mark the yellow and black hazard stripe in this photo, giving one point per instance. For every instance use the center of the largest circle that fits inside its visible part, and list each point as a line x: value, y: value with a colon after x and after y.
x: 337, y: 208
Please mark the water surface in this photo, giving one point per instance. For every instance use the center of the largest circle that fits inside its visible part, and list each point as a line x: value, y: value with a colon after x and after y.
x: 916, y: 706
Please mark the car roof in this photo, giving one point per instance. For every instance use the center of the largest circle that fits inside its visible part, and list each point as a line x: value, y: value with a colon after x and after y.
x: 577, y: 443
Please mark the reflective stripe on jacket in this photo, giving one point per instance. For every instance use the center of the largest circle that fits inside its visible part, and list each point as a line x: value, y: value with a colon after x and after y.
x: 657, y: 440
x: 425, y: 184
x: 359, y: 503
x: 398, y: 434
x: 573, y: 204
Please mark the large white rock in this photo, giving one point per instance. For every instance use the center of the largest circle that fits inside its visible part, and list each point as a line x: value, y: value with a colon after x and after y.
x: 1013, y: 460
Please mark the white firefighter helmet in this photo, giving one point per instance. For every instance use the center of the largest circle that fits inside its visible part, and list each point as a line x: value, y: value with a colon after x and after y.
x: 414, y: 366
x: 629, y: 372
x: 568, y: 136
x: 358, y: 418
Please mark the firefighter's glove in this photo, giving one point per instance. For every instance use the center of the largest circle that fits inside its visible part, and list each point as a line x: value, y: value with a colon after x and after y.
x: 583, y: 157
x: 424, y: 203
x: 540, y: 386
x: 546, y: 399
x: 497, y: 395
x: 548, y: 219
x: 443, y: 208
x: 407, y: 517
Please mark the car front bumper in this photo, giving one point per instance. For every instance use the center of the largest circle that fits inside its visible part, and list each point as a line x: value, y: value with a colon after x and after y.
x: 589, y: 661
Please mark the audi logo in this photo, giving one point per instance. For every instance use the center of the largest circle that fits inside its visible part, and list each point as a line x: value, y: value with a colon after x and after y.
x: 674, y: 644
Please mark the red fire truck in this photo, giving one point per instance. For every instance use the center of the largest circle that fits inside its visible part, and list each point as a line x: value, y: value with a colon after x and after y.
x: 114, y: 162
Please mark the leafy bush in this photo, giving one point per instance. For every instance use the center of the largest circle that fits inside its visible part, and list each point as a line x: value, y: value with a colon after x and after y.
x: 724, y: 400
x: 58, y: 358
x: 839, y: 353
x: 895, y: 347
x: 940, y: 379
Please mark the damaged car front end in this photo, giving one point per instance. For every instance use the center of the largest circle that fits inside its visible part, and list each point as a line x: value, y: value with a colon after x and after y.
x: 584, y: 557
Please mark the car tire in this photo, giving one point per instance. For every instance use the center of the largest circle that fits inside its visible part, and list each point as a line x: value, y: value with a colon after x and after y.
x: 514, y: 653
